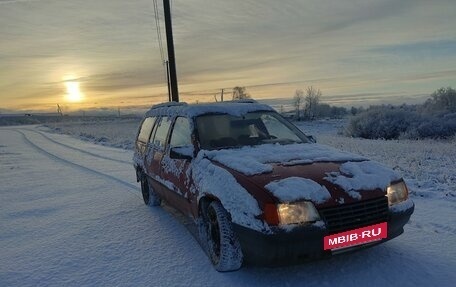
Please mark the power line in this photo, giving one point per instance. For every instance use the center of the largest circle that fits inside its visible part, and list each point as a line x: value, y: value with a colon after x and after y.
x: 160, y: 43
x: 158, y: 29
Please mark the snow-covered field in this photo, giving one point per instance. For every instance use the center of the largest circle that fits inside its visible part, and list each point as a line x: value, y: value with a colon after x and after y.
x: 71, y: 215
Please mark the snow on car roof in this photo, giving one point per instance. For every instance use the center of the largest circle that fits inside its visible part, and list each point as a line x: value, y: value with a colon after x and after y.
x: 235, y: 108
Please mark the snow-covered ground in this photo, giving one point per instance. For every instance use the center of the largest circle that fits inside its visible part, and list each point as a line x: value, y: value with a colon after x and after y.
x: 71, y: 215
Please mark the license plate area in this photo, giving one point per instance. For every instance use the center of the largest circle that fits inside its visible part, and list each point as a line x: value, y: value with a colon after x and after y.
x: 356, y: 237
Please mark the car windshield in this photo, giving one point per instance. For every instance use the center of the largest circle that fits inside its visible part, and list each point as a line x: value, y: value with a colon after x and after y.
x: 217, y: 131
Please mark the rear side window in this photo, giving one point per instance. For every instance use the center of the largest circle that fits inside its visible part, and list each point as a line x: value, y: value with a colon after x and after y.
x: 182, y: 133
x: 146, y: 128
x: 162, y: 132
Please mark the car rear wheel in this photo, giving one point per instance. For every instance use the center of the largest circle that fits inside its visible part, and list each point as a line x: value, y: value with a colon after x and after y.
x: 222, y: 243
x: 149, y: 196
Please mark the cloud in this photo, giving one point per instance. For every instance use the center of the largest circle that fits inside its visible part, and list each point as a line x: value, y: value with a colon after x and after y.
x: 448, y: 75
x: 355, y: 13
x: 436, y: 48
x: 272, y: 47
x: 4, y: 2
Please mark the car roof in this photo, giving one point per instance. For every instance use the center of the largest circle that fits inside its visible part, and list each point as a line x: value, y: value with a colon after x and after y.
x: 236, y: 108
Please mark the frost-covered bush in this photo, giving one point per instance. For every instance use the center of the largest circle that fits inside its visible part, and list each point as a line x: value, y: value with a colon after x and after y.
x: 435, y: 128
x: 436, y: 118
x: 384, y: 122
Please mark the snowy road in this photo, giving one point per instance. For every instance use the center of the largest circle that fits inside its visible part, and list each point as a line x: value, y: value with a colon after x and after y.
x: 71, y: 215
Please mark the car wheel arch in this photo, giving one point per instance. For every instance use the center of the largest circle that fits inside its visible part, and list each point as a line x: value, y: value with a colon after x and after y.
x: 232, y: 257
x: 204, y: 202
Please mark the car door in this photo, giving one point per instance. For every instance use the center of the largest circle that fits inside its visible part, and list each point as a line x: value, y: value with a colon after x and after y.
x: 175, y: 165
x: 155, y: 151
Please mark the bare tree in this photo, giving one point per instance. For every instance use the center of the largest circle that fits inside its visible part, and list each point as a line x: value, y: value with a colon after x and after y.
x: 312, y: 100
x: 240, y: 93
x: 297, y: 102
x: 442, y: 101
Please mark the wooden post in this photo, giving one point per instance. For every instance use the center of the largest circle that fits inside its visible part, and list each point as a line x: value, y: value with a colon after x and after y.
x: 171, y: 58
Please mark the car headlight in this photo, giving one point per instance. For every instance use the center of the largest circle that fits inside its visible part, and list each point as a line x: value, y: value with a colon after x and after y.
x: 299, y: 212
x: 397, y: 192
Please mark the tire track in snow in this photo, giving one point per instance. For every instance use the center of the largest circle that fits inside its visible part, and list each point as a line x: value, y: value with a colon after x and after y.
x: 185, y: 221
x: 78, y: 166
x: 80, y: 150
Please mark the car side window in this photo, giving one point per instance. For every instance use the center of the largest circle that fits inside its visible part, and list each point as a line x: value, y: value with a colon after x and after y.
x: 146, y: 128
x: 277, y: 129
x: 162, y: 132
x: 181, y: 135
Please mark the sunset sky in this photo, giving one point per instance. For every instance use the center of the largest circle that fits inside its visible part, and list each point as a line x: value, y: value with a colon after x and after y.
x: 86, y: 54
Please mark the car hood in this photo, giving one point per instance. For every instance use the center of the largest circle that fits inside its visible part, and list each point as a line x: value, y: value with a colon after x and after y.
x: 323, y: 175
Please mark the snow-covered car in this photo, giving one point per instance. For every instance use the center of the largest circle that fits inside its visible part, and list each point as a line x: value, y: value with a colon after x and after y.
x: 259, y: 189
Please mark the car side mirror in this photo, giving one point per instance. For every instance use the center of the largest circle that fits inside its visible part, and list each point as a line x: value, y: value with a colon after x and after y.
x: 312, y: 139
x: 181, y: 153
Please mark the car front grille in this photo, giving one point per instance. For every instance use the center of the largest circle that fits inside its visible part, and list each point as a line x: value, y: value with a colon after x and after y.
x: 355, y: 215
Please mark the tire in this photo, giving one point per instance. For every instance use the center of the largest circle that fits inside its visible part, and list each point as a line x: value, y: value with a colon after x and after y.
x: 223, y: 245
x: 149, y: 196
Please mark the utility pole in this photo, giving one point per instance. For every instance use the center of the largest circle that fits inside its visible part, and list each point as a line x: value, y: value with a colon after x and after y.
x: 170, y: 45
x: 167, y: 80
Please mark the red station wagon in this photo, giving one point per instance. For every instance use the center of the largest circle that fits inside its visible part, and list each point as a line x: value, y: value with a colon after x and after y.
x: 259, y: 189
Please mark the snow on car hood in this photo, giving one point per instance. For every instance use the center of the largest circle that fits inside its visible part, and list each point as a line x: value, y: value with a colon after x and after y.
x: 306, y: 171
x: 297, y: 188
x: 253, y: 160
x: 365, y: 175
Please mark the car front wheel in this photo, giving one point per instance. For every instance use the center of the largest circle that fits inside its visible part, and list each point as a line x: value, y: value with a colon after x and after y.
x: 222, y: 243
x: 149, y: 196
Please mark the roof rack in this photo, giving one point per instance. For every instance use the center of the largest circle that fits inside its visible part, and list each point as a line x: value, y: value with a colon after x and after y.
x: 169, y: 104
x: 243, y: 101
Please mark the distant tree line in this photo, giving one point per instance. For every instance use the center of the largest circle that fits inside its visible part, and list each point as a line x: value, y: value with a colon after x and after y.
x: 435, y: 118
x: 307, y: 106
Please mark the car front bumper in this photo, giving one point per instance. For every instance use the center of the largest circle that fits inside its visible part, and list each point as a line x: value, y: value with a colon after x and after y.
x: 305, y: 243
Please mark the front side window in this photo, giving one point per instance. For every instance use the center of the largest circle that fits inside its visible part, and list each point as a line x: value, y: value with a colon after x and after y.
x: 182, y: 134
x: 162, y: 132
x: 223, y: 130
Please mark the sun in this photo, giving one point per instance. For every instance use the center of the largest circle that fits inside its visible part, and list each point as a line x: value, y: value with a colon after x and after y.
x: 74, y: 94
